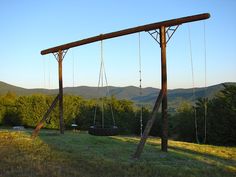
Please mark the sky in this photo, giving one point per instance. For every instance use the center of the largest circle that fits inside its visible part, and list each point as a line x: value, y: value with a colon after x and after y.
x: 27, y: 27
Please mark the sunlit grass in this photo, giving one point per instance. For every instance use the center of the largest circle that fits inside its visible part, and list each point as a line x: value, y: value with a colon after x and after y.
x: 80, y: 154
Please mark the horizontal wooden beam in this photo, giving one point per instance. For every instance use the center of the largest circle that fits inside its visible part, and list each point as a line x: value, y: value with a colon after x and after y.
x: 148, y: 27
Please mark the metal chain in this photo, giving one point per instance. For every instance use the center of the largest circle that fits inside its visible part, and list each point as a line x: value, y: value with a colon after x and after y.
x: 140, y: 84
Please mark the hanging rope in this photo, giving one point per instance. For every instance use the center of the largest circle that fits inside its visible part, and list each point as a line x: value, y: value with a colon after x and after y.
x: 73, y: 69
x: 193, y: 85
x: 49, y: 73
x: 108, y: 93
x: 102, y: 77
x: 205, y: 90
x: 99, y: 79
x: 102, y: 84
x: 140, y: 84
x: 44, y: 74
x: 205, y: 87
x: 74, y: 125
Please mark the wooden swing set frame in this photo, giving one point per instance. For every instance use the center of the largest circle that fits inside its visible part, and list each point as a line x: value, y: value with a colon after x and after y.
x: 161, y: 32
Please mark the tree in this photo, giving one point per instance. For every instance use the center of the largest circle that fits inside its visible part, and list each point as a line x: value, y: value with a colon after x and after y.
x: 183, y: 123
x: 201, y: 120
x: 28, y: 109
x: 8, y: 110
x: 222, y: 117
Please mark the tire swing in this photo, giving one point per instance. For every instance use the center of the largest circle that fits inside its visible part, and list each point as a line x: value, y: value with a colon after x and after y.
x: 99, y: 128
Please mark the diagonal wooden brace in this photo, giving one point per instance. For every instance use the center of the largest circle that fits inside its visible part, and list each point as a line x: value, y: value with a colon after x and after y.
x: 44, y: 119
x: 148, y: 126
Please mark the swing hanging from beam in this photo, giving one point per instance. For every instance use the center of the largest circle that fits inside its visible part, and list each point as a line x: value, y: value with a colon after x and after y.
x: 162, y: 33
x: 204, y: 100
x: 101, y: 128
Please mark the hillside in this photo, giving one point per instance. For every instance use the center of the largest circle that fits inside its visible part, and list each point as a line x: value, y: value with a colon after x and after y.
x: 175, y: 96
x: 79, y: 154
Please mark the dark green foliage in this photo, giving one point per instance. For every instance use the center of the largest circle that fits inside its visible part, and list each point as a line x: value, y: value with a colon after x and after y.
x: 149, y: 95
x: 8, y: 111
x: 156, y: 129
x: 11, y: 118
x: 183, y: 122
x: 220, y: 119
x: 29, y: 110
x: 124, y: 115
x: 220, y: 122
x: 201, y: 114
x: 145, y: 116
x: 32, y: 108
x: 84, y: 118
x: 72, y: 108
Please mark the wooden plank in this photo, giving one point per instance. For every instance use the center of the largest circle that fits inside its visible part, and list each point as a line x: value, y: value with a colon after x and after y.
x: 128, y: 31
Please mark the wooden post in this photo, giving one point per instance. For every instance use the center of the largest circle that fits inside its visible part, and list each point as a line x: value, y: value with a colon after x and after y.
x: 60, y: 59
x: 164, y: 138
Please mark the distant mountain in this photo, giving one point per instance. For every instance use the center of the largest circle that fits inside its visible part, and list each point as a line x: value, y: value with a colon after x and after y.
x: 4, y: 88
x: 149, y: 94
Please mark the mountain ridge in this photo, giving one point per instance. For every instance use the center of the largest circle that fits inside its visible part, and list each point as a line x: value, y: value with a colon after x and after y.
x: 148, y: 97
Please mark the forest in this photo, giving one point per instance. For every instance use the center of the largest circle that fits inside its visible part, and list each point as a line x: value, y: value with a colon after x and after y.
x: 220, y: 120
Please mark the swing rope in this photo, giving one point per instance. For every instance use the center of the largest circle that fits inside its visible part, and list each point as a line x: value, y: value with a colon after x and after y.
x: 49, y: 73
x: 99, y: 79
x: 140, y: 84
x: 205, y: 90
x: 108, y: 93
x: 102, y: 84
x: 73, y: 85
x: 102, y: 76
x: 193, y: 84
x: 44, y: 74
x: 73, y: 69
x: 205, y: 87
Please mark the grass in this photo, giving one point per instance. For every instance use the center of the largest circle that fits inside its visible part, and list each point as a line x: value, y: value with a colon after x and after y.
x: 77, y: 154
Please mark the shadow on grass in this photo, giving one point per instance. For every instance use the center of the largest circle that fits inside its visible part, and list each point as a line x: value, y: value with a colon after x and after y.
x: 107, y: 156
x: 118, y: 150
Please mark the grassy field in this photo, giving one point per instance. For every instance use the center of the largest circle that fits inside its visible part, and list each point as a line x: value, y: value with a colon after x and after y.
x: 82, y: 155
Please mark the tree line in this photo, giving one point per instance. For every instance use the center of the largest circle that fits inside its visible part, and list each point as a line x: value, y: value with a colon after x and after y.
x: 219, y: 118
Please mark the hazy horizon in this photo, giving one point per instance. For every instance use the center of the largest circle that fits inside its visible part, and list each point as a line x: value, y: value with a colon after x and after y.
x: 114, y: 86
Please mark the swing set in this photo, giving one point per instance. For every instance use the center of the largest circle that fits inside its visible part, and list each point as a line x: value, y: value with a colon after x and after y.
x: 161, y: 32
